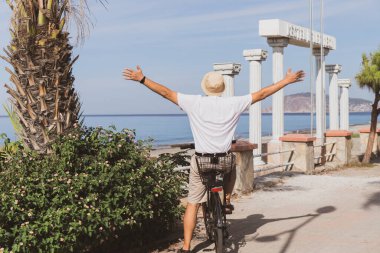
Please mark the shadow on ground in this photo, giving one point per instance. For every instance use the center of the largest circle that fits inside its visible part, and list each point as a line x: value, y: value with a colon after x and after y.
x: 244, y: 230
x: 373, y: 200
x: 275, y: 182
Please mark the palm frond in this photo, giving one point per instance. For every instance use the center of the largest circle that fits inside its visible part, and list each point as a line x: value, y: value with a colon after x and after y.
x: 15, y: 121
x: 369, y: 75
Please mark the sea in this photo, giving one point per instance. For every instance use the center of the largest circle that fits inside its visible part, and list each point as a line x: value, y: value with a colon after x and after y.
x: 167, y: 129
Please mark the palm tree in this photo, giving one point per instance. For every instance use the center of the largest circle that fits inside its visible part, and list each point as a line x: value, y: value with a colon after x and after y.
x: 369, y: 77
x: 40, y: 53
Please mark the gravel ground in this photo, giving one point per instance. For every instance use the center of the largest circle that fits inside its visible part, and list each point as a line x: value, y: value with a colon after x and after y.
x: 336, y: 212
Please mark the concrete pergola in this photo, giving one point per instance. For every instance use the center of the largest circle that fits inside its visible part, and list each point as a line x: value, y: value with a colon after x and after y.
x: 279, y: 35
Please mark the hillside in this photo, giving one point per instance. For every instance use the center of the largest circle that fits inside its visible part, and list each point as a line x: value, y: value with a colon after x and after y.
x: 300, y: 102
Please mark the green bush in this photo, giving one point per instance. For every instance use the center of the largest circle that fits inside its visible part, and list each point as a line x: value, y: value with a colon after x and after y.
x: 9, y: 148
x: 97, y: 188
x: 355, y: 135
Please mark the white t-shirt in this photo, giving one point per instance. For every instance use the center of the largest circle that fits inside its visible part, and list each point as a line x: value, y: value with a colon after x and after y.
x: 213, y: 119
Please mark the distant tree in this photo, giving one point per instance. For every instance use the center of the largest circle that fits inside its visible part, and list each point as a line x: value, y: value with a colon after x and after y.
x: 369, y: 77
x: 43, y: 96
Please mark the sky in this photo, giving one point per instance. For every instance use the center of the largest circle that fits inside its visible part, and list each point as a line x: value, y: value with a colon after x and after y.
x: 177, y: 42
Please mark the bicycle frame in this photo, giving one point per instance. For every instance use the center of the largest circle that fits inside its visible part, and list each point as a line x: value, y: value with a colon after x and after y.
x: 211, y: 169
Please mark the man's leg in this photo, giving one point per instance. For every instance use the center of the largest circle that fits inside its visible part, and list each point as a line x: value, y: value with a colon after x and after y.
x: 229, y: 183
x: 189, y: 222
x: 197, y: 194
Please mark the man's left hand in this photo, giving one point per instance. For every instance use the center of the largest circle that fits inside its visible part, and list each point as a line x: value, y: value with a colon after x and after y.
x: 293, y: 77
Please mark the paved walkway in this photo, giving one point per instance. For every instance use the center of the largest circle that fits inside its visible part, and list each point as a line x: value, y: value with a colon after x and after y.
x: 337, y: 212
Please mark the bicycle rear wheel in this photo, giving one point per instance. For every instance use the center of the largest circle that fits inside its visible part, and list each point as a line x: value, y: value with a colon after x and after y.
x: 207, y: 220
x: 218, y: 224
x: 219, y: 241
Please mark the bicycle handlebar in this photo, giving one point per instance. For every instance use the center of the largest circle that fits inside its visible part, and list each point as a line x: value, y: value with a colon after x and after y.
x: 189, y: 145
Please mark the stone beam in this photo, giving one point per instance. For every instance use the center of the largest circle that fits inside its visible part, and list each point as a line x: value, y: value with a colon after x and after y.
x: 297, y: 35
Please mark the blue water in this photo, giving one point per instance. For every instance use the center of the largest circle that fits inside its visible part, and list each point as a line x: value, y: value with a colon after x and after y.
x: 170, y: 129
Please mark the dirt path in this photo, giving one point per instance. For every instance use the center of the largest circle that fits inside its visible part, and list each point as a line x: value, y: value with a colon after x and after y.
x: 338, y: 212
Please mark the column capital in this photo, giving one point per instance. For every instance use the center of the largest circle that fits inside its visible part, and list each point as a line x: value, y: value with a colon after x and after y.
x: 227, y: 68
x: 317, y: 51
x: 255, y: 54
x: 333, y: 68
x: 278, y: 42
x: 344, y: 83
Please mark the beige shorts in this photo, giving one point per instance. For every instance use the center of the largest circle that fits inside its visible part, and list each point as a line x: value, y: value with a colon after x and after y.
x: 197, y: 190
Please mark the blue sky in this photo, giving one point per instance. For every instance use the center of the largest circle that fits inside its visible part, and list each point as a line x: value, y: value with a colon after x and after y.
x: 176, y: 42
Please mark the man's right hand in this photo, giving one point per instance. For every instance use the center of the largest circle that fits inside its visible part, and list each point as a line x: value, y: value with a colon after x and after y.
x: 135, y: 75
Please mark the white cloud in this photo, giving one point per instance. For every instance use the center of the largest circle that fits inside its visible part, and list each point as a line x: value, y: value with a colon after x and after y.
x: 149, y: 32
x: 337, y: 8
x: 181, y: 22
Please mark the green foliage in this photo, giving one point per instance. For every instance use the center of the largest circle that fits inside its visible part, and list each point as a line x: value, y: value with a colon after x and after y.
x: 355, y: 135
x: 9, y: 148
x: 369, y: 75
x: 96, y: 189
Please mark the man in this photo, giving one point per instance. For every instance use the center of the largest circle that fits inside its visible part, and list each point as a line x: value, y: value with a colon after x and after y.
x: 213, y: 121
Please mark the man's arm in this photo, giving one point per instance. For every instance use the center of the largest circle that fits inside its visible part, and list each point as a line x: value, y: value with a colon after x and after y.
x: 160, y: 89
x: 290, y: 77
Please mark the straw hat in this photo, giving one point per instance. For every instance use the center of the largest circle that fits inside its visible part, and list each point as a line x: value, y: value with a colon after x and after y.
x: 213, y: 84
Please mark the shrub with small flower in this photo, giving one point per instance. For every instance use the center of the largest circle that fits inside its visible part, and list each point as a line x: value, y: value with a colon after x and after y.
x: 98, y: 188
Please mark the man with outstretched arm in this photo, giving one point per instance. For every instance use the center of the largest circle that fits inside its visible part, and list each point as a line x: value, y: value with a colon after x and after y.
x: 213, y: 121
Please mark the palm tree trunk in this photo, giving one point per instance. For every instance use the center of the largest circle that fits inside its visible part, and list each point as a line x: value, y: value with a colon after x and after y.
x: 372, y: 132
x: 40, y: 53
x: 41, y: 16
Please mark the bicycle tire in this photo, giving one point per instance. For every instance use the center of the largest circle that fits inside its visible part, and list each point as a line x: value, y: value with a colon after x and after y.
x: 206, y: 218
x: 218, y: 224
x: 218, y: 233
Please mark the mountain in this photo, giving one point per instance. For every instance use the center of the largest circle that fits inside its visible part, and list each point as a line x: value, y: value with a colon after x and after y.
x: 300, y: 102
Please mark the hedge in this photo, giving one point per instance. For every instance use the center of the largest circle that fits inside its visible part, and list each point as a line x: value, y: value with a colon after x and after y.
x: 98, y: 188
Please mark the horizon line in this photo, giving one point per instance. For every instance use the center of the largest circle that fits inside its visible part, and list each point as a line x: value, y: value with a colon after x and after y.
x: 171, y: 114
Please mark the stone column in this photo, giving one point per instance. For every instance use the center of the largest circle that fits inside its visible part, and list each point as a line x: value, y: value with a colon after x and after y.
x: 344, y: 85
x: 255, y: 57
x: 278, y: 45
x: 320, y: 94
x: 333, y: 71
x: 228, y: 70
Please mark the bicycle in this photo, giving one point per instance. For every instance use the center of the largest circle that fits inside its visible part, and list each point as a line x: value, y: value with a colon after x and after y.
x: 212, y: 168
